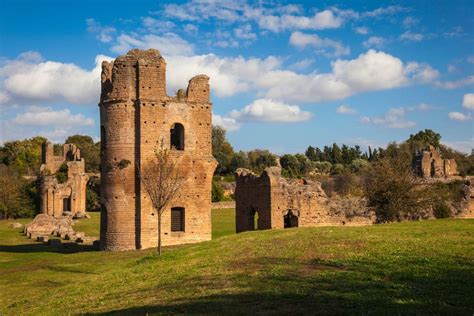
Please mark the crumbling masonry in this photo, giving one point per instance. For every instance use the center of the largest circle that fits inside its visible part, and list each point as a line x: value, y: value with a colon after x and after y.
x: 429, y: 164
x: 137, y: 116
x: 68, y: 197
x: 270, y: 201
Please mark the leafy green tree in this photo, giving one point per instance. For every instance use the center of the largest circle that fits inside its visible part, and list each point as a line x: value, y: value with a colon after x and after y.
x: 424, y: 138
x: 221, y: 150
x: 313, y: 154
x: 17, y: 195
x: 336, y: 154
x: 291, y: 165
x: 260, y: 159
x: 358, y: 165
x: 23, y: 155
x: 337, y: 168
x: 90, y: 151
x: 239, y: 160
x: 323, y: 166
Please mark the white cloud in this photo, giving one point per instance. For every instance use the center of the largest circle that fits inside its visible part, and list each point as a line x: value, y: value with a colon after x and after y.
x: 45, y: 116
x: 468, y: 101
x: 168, y: 44
x: 410, y: 21
x: 104, y: 33
x: 303, y: 64
x: 458, y: 116
x: 456, y: 83
x: 157, y: 26
x: 191, y: 29
x: 302, y: 40
x: 421, y: 72
x: 267, y: 110
x: 374, y: 41
x: 470, y: 59
x: 394, y: 118
x: 228, y: 123
x: 245, y: 32
x: 345, y: 109
x: 27, y: 81
x: 362, y: 30
x: 409, y: 36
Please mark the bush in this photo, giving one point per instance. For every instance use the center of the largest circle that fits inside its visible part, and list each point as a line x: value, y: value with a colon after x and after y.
x: 347, y: 183
x: 392, y: 190
x: 61, y: 175
x: 442, y: 210
x: 217, y: 191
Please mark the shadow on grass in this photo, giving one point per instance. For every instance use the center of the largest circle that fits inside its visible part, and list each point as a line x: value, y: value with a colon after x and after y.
x: 317, y: 287
x: 65, y: 248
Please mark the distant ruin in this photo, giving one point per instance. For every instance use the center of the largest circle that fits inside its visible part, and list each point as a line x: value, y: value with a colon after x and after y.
x: 57, y: 197
x: 270, y: 201
x: 136, y: 117
x: 429, y: 164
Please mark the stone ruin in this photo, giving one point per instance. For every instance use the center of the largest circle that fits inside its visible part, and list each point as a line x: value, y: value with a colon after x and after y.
x: 136, y: 117
x: 68, y: 198
x: 429, y: 164
x: 270, y: 201
x: 44, y: 226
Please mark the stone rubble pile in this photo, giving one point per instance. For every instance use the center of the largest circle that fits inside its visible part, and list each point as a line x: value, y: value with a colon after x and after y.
x: 44, y: 226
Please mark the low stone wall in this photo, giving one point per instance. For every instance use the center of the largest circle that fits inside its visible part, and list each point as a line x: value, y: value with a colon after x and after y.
x: 226, y: 204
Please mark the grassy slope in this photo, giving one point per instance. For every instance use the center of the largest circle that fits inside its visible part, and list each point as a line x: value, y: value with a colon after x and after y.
x: 421, y: 267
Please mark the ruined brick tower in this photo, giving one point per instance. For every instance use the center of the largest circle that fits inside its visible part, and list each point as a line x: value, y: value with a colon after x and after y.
x: 137, y: 116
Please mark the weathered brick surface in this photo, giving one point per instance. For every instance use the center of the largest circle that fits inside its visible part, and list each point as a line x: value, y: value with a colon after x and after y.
x: 53, y: 193
x: 273, y: 197
x: 136, y: 117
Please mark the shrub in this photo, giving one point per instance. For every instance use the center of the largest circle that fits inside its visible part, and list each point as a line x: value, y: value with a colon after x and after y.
x: 442, y: 210
x: 217, y: 191
x: 347, y: 183
x: 61, y: 175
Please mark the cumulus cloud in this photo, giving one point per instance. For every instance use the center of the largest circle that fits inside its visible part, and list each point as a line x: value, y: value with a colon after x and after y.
x: 267, y: 110
x: 370, y: 71
x: 245, y: 32
x: 458, y: 116
x: 105, y: 34
x: 46, y: 116
x: 374, y: 41
x: 228, y: 123
x: 468, y: 101
x: 394, y: 118
x: 345, y: 109
x: 27, y: 81
x: 322, y: 45
x: 155, y: 26
x: 169, y: 43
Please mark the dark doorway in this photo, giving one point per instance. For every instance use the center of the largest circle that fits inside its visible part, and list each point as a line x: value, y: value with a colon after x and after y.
x: 290, y: 220
x: 252, y: 223
x: 66, y: 205
x: 177, y: 136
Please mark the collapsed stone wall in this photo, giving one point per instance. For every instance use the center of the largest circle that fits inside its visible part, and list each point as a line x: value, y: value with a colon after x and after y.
x: 137, y: 117
x: 429, y: 164
x: 270, y: 201
x: 68, y: 197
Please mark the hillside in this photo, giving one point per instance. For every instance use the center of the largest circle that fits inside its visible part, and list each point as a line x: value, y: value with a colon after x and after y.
x: 414, y: 267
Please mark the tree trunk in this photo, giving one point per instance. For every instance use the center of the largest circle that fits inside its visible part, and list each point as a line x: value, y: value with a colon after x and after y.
x: 159, y: 233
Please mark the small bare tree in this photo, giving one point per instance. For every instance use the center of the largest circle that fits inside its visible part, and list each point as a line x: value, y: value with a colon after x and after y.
x: 162, y: 181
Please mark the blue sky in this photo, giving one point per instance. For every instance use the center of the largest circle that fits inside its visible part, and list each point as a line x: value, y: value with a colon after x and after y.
x: 284, y: 75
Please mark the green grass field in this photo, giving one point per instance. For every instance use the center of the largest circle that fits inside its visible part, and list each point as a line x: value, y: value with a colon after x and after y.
x: 403, y: 268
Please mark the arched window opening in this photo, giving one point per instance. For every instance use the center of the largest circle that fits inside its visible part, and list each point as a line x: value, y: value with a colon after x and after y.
x: 290, y: 220
x: 177, y: 136
x: 177, y: 219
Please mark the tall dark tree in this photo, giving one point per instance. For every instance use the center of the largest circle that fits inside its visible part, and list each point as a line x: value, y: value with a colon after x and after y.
x: 221, y: 149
